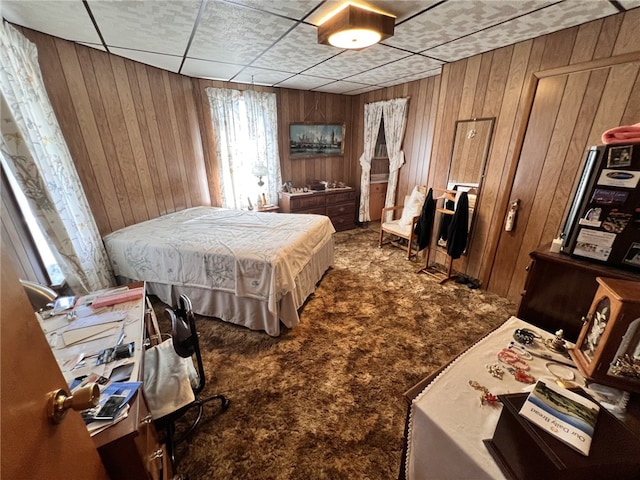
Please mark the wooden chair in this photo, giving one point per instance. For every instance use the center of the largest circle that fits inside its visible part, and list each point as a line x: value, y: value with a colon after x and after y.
x: 403, y: 228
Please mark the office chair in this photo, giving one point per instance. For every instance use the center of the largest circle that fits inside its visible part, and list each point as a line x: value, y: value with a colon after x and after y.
x: 186, y: 345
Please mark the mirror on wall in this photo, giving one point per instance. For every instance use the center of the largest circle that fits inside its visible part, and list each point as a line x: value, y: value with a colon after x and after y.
x: 469, y: 153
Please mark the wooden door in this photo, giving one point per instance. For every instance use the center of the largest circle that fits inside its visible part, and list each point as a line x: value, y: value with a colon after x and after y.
x: 569, y: 113
x: 32, y: 447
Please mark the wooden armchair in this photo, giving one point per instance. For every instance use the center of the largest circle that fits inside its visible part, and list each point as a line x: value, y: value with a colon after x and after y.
x: 401, y: 231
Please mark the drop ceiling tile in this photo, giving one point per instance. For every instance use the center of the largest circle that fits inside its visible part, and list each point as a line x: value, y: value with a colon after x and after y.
x: 213, y: 70
x: 296, y: 52
x: 166, y: 62
x: 456, y: 18
x: 64, y: 19
x: 629, y: 4
x: 358, y: 91
x: 304, y: 82
x: 409, y: 66
x: 161, y: 26
x: 297, y: 9
x: 261, y: 76
x: 234, y: 34
x: 351, y: 62
x: 547, y: 20
x: 411, y: 78
x: 339, y: 87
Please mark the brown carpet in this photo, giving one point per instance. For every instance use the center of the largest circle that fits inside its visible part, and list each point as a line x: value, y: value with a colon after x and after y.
x: 324, y: 400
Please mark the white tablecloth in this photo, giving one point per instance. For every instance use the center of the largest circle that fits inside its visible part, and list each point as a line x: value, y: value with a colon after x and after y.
x: 447, y: 422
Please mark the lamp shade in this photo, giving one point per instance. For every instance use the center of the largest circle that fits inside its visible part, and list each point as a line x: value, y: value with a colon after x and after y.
x: 354, y: 27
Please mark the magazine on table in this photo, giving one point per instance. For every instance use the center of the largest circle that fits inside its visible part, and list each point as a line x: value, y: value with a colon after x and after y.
x: 113, y: 398
x: 566, y: 415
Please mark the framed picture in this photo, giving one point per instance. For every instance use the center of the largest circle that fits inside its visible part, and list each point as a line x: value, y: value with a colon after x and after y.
x: 316, y: 140
x: 619, y: 156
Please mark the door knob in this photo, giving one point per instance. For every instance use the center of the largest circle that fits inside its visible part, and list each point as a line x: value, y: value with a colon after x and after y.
x: 60, y: 401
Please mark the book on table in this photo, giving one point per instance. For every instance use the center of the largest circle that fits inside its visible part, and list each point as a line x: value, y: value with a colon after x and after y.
x: 568, y: 416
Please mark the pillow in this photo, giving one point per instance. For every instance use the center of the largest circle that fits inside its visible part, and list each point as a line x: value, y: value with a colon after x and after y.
x: 413, y: 207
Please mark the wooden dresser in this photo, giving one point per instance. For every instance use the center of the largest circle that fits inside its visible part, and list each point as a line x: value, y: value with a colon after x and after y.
x: 338, y: 204
x: 559, y: 290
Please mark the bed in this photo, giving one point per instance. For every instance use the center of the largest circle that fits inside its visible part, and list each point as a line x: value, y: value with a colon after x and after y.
x: 253, y: 269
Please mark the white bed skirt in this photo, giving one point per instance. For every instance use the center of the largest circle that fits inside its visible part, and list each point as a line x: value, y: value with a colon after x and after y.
x: 250, y: 312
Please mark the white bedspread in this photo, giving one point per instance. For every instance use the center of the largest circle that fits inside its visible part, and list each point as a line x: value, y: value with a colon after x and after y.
x: 248, y: 254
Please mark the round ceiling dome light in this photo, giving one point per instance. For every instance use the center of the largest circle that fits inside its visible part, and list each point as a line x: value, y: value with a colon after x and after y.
x: 355, y: 27
x: 354, y: 38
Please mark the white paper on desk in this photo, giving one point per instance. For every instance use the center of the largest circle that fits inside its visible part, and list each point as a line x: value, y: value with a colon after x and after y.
x: 100, y: 319
x: 71, y: 337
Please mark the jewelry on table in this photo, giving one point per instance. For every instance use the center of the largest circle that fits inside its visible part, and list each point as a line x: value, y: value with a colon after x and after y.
x: 487, y: 396
x: 564, y: 375
x: 521, y: 375
x: 510, y: 357
x: 495, y: 370
x: 525, y: 336
x: 520, y: 350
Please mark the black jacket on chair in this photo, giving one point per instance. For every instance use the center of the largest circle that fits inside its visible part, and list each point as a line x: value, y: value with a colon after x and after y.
x: 459, y: 227
x: 424, y: 226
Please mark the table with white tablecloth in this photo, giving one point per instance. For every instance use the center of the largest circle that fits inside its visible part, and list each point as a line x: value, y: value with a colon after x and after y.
x: 447, y: 422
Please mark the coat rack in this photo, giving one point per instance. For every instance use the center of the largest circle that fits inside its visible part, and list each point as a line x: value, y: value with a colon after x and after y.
x: 449, y: 195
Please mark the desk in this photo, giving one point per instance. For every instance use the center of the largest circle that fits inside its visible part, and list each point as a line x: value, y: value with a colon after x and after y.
x: 446, y: 422
x: 130, y: 448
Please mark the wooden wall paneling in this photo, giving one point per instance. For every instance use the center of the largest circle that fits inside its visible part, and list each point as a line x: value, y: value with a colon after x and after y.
x: 179, y: 179
x: 609, y: 35
x: 559, y: 48
x: 141, y: 132
x: 472, y: 81
x: 489, y: 200
x: 481, y: 86
x: 615, y: 97
x: 81, y: 81
x: 63, y: 104
x: 631, y: 113
x: 535, y: 147
x: 111, y: 108
x: 147, y: 110
x: 170, y: 155
x: 586, y: 41
x: 131, y: 124
x: 627, y: 39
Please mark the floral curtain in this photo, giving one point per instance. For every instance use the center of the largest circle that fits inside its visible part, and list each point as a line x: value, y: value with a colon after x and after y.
x: 35, y: 151
x: 372, y: 118
x: 245, y: 125
x: 395, y: 122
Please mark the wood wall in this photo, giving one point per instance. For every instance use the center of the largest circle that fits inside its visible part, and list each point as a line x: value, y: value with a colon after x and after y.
x: 132, y: 130
x: 502, y: 84
x: 142, y: 141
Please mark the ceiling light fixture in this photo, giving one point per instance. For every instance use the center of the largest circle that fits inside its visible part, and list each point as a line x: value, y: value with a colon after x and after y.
x: 355, y: 27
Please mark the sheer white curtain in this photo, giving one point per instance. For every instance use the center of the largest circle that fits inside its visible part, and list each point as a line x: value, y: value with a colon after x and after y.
x: 245, y: 125
x: 372, y: 118
x: 395, y: 122
x: 35, y: 151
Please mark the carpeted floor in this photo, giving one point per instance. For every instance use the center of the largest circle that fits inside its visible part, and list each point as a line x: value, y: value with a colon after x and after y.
x: 324, y: 400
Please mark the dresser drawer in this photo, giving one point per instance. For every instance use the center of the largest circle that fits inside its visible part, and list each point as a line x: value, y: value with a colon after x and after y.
x: 342, y: 209
x: 306, y: 201
x: 343, y: 222
x: 340, y: 197
x: 316, y: 211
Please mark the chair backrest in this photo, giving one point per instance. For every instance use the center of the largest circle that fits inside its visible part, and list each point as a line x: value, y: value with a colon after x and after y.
x: 185, y: 336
